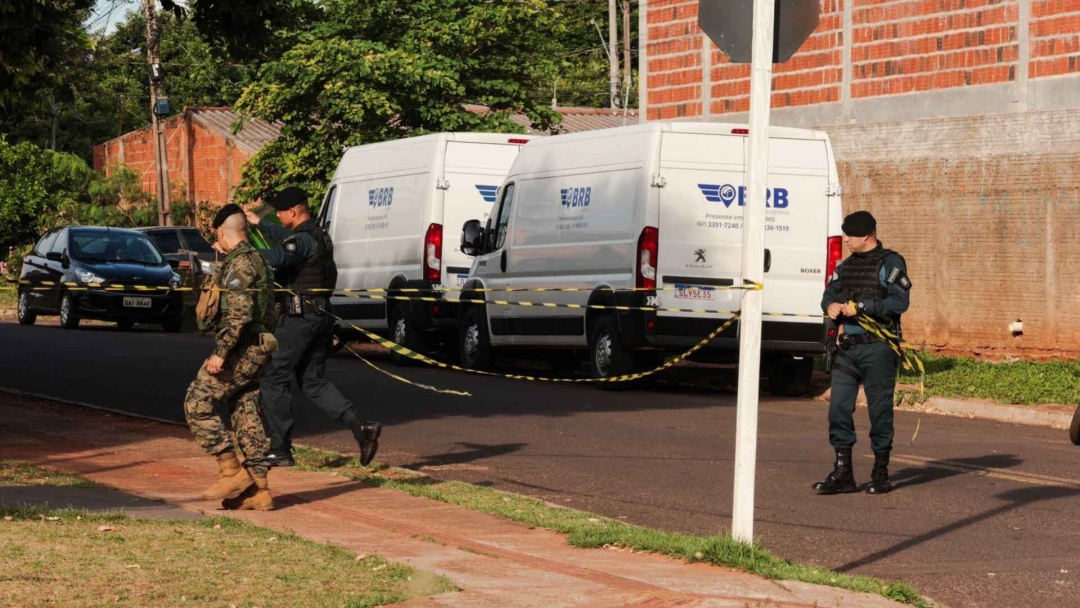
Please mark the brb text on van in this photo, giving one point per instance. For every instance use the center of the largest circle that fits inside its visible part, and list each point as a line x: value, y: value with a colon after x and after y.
x: 727, y: 194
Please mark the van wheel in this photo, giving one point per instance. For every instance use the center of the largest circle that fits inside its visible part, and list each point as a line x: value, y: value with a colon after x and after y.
x: 25, y: 316
x: 69, y: 319
x: 475, y: 343
x: 402, y: 332
x: 792, y: 377
x: 607, y: 357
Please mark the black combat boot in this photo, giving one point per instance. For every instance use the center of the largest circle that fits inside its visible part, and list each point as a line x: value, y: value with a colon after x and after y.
x: 879, y: 478
x: 367, y: 435
x: 842, y: 478
x: 280, y: 457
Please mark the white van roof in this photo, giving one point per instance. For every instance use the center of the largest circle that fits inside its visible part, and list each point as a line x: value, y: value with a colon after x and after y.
x: 705, y: 128
x: 368, y: 159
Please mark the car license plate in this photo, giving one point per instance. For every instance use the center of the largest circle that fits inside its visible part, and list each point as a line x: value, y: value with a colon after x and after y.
x: 461, y: 278
x: 137, y: 303
x: 690, y: 292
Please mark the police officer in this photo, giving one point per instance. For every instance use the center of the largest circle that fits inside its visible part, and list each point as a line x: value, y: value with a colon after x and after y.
x: 873, y: 282
x: 304, y: 265
x: 242, y: 314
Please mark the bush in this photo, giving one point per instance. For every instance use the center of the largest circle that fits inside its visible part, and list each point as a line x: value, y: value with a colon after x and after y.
x: 34, y: 184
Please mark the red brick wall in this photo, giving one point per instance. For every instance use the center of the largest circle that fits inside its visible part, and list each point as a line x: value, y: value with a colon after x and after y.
x: 1055, y: 37
x: 204, y: 167
x: 897, y: 47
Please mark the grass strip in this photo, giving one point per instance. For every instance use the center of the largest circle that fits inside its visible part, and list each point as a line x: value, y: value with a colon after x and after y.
x: 13, y: 472
x: 593, y: 531
x: 69, y: 557
x: 1015, y: 382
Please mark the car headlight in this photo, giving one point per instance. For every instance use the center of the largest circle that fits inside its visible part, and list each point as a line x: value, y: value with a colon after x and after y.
x: 89, y: 277
x: 176, y: 281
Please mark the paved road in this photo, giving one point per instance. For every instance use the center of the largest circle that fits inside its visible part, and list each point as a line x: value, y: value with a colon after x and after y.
x: 985, y: 513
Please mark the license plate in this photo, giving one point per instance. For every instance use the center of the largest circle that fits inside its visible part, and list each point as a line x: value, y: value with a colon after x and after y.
x: 137, y: 303
x: 461, y: 278
x: 690, y: 292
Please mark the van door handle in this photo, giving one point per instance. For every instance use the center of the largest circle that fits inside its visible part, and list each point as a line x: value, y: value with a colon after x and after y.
x: 768, y: 260
x: 503, y: 262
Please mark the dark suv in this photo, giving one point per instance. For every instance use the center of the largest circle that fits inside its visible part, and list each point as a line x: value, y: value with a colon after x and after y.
x: 174, y: 242
x: 76, y: 272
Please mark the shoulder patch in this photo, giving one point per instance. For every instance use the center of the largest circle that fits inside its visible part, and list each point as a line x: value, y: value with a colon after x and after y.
x: 290, y: 246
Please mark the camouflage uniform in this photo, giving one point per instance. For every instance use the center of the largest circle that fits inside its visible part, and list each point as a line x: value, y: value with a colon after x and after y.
x: 246, y: 312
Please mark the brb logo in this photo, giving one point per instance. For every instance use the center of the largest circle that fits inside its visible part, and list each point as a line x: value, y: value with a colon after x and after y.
x: 488, y: 192
x: 728, y: 194
x: 381, y: 197
x: 573, y: 198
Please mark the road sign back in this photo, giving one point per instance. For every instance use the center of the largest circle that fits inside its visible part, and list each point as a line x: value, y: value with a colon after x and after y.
x: 729, y: 23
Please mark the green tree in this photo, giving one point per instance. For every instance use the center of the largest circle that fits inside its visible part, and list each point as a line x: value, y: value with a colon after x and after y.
x: 375, y: 70
x: 34, y: 184
x: 249, y: 29
x: 33, y: 37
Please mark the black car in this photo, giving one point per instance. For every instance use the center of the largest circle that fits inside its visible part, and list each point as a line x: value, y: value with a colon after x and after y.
x: 83, y: 262
x: 174, y: 242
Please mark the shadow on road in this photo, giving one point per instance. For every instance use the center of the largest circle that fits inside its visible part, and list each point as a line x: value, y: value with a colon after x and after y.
x: 1014, y: 500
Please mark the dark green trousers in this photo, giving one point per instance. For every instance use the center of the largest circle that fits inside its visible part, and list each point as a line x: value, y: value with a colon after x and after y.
x: 875, y: 365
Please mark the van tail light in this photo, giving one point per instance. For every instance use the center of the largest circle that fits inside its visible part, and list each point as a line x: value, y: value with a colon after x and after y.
x: 520, y: 142
x: 433, y: 253
x: 836, y: 249
x: 647, y: 255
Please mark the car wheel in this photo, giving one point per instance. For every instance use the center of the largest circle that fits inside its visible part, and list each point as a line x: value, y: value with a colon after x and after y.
x: 1074, y: 429
x: 402, y: 332
x: 125, y: 325
x: 475, y: 343
x: 69, y: 318
x: 607, y: 357
x: 792, y: 377
x: 26, y: 317
x: 173, y: 325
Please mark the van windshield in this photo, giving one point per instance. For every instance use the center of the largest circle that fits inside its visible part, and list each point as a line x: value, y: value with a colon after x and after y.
x: 101, y: 246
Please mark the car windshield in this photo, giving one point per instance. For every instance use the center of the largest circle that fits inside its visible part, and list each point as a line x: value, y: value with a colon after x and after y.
x: 196, y: 242
x: 102, y: 246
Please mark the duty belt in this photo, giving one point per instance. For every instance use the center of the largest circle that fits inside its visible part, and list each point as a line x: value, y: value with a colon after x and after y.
x: 849, y: 340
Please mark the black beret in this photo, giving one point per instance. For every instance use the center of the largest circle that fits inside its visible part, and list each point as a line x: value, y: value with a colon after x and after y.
x: 288, y: 198
x: 226, y: 212
x: 860, y: 223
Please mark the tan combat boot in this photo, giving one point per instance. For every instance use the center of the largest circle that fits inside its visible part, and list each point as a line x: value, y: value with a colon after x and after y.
x: 232, y: 480
x: 255, y: 498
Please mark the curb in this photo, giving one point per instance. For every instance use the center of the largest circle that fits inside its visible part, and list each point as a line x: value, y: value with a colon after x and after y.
x: 1045, y: 415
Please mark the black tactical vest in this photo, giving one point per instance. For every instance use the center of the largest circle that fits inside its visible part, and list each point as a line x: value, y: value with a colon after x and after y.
x: 319, y: 270
x: 860, y: 275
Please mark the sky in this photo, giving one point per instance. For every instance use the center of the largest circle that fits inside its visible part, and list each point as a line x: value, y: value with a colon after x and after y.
x: 109, y: 13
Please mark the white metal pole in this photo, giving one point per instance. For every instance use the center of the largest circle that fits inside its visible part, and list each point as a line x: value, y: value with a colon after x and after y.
x: 753, y: 257
x: 613, y: 52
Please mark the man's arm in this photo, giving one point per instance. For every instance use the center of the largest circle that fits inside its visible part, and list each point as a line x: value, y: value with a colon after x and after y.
x: 239, y: 278
x: 898, y: 286
x: 272, y: 230
x: 832, y: 292
x: 292, y: 253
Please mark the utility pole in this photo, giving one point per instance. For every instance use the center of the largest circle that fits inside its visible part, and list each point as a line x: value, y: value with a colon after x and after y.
x: 613, y: 52
x: 153, y: 36
x: 627, y: 70
x: 753, y: 257
x: 53, y: 107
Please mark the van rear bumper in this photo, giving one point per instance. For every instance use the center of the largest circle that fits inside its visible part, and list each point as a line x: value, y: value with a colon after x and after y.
x: 680, y: 333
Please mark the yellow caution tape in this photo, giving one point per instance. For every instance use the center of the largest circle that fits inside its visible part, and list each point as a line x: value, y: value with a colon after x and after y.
x: 426, y: 387
x: 405, y: 352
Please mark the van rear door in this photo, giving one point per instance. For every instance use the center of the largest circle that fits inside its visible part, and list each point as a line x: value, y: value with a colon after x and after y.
x: 474, y: 172
x: 701, y: 212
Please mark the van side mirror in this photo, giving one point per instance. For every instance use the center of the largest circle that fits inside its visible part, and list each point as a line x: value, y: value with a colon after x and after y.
x: 54, y: 256
x: 472, y: 238
x: 173, y: 263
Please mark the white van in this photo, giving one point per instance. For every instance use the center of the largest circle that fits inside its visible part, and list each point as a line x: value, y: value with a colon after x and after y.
x: 385, y: 211
x: 656, y: 206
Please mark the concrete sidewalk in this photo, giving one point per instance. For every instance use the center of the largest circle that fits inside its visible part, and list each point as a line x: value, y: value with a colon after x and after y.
x: 495, y: 561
